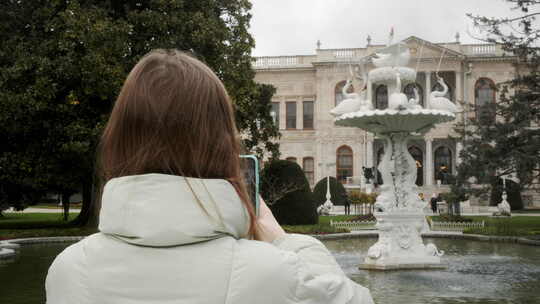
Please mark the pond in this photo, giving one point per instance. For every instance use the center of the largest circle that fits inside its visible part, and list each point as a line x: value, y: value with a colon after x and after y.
x: 477, y: 273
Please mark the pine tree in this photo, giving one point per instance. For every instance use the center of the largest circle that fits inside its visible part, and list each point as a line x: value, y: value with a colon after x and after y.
x: 504, y: 138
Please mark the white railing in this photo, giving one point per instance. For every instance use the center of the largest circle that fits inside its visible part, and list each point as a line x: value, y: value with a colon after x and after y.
x: 487, y: 49
x: 281, y: 61
x: 455, y: 226
x: 354, y: 225
x: 363, y: 209
x: 344, y: 53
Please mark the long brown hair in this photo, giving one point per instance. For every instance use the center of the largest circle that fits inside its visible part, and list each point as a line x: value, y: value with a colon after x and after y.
x: 173, y: 116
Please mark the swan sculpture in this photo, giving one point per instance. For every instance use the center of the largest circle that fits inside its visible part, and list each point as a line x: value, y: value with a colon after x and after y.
x: 438, y: 101
x: 414, y: 103
x: 353, y: 102
x: 397, y: 100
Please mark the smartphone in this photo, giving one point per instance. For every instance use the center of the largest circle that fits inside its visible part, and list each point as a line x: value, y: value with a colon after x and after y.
x: 250, y: 168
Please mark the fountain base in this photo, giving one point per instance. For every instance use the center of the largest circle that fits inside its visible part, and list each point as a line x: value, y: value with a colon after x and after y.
x: 400, y: 245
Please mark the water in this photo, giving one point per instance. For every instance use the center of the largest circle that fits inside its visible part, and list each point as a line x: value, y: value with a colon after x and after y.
x: 478, y: 273
x: 22, y: 278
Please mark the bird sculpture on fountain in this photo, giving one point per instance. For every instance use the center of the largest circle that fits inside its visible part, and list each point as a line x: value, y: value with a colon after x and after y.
x: 438, y: 100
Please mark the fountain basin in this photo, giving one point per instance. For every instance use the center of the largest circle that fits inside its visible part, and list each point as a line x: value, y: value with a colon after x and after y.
x: 385, y: 121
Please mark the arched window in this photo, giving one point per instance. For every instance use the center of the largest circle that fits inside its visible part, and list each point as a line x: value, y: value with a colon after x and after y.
x: 291, y: 159
x: 381, y: 97
x: 409, y: 91
x: 309, y: 169
x: 443, y: 164
x: 438, y: 87
x: 344, y: 164
x: 418, y: 156
x: 484, y: 97
x: 338, y: 92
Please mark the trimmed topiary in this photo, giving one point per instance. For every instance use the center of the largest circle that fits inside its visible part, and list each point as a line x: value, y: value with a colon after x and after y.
x: 286, y: 190
x: 336, y: 191
x: 512, y: 190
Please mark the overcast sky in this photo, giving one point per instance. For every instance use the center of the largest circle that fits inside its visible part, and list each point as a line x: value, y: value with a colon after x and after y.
x: 292, y: 27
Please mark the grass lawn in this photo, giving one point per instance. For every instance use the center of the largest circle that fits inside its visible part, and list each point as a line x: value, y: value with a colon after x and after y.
x: 513, y: 226
x: 323, y: 227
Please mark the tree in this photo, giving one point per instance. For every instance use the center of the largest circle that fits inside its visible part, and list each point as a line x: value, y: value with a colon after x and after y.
x: 62, y: 64
x: 504, y: 138
x: 295, y: 205
x: 337, y: 192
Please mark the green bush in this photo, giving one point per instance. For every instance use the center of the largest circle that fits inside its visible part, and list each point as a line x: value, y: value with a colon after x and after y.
x: 286, y: 190
x: 337, y: 192
x: 512, y: 190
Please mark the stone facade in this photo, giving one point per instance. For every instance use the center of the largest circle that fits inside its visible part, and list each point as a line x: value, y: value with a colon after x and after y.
x: 318, y: 78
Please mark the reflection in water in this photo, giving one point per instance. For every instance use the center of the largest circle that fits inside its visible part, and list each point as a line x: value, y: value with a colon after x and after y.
x: 478, y: 273
x: 22, y: 278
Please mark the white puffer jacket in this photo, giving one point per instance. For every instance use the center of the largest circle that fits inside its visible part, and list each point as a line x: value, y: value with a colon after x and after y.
x: 158, y: 245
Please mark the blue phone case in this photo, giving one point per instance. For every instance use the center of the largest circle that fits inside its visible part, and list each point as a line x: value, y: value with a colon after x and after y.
x: 256, y: 166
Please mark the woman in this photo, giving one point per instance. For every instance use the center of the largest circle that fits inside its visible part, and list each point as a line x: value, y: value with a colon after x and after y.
x: 176, y: 225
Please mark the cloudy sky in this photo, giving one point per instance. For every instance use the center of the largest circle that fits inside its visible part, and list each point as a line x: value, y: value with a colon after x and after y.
x: 292, y: 27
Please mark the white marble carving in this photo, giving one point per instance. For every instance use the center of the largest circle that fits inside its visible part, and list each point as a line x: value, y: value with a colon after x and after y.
x: 438, y: 101
x: 397, y: 100
x: 399, y: 213
x: 504, y: 206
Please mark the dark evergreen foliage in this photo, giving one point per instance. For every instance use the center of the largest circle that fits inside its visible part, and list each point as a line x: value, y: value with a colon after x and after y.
x: 62, y: 64
x: 512, y: 191
x: 337, y: 192
x: 290, y: 205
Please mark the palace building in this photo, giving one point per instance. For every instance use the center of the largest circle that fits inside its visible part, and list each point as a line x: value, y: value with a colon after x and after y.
x: 309, y: 86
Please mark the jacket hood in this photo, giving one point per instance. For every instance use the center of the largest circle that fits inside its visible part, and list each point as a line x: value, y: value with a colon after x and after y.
x: 168, y: 210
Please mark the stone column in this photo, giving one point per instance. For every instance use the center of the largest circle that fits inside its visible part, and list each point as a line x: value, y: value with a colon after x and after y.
x: 429, y: 162
x: 369, y: 152
x: 459, y: 147
x: 427, y: 90
x: 459, y: 91
x: 370, y: 92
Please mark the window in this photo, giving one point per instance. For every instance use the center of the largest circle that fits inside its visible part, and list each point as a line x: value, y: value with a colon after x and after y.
x: 484, y: 97
x: 309, y: 169
x: 338, y: 92
x: 381, y: 97
x: 308, y: 114
x: 418, y: 157
x: 409, y: 91
x: 344, y: 164
x: 438, y: 87
x: 291, y: 115
x: 291, y: 159
x: 275, y: 110
x: 443, y: 164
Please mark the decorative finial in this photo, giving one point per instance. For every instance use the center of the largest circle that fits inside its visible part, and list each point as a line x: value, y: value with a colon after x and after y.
x: 457, y: 37
x: 368, y: 40
x: 318, y: 44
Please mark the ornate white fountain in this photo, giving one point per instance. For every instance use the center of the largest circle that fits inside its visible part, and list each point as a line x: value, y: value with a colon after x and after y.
x: 400, y: 216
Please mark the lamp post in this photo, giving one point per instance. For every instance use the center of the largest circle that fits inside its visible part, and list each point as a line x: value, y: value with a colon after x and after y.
x: 328, y: 204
